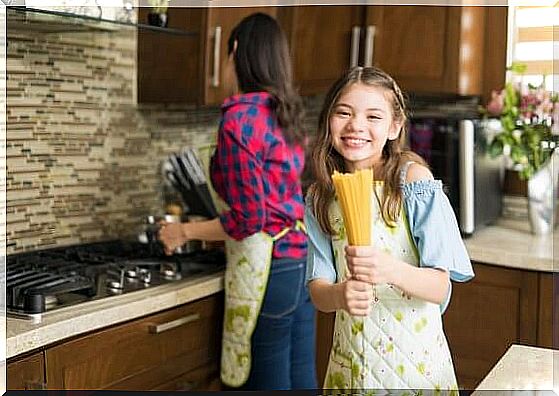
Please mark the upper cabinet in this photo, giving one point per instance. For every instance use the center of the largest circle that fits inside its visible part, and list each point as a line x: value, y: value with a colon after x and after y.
x: 188, y: 67
x: 427, y: 49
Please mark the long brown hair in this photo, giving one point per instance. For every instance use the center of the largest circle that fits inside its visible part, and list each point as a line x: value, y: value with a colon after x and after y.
x: 263, y: 63
x: 325, y: 159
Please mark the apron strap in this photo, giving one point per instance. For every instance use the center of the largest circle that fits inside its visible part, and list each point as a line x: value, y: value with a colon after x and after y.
x: 299, y: 226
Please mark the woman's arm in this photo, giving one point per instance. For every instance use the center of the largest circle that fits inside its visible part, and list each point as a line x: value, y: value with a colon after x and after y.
x: 173, y: 235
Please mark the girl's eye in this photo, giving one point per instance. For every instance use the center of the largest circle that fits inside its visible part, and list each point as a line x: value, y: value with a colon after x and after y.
x: 373, y: 117
x: 344, y: 113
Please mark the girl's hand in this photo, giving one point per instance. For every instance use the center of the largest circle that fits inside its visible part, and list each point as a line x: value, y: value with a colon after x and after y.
x: 367, y: 264
x: 172, y: 236
x: 356, y: 297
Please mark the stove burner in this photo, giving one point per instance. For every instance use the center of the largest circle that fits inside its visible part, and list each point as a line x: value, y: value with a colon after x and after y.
x: 50, y: 279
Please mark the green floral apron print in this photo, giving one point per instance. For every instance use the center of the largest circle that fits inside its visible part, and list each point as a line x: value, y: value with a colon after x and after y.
x: 401, y: 343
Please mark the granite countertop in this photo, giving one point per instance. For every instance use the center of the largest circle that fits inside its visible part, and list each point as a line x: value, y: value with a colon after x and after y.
x: 522, y: 368
x: 509, y: 243
x: 23, y: 335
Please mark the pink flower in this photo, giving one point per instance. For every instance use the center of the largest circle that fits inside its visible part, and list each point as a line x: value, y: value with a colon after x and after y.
x: 495, y: 106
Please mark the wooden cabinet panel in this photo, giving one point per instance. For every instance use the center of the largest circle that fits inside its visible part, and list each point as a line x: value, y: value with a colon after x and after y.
x: 142, y: 354
x: 324, y: 334
x: 225, y: 18
x: 170, y: 65
x: 548, y: 311
x: 485, y: 316
x: 27, y: 373
x: 320, y: 39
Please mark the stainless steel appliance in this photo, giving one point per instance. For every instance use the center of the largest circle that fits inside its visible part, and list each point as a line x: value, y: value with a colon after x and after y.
x: 448, y: 132
x: 43, y: 281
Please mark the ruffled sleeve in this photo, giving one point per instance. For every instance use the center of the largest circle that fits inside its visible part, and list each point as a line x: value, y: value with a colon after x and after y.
x: 435, y: 230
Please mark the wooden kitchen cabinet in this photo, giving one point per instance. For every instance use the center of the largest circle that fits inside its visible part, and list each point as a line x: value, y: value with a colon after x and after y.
x: 188, y: 68
x: 26, y: 373
x: 177, y: 349
x: 427, y: 49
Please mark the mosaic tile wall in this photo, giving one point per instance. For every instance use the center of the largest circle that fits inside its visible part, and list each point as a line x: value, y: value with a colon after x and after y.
x: 82, y: 159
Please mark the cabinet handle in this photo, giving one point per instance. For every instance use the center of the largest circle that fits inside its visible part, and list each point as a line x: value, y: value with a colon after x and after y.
x: 354, y: 52
x: 160, y: 328
x: 369, y: 45
x: 30, y: 385
x: 217, y: 50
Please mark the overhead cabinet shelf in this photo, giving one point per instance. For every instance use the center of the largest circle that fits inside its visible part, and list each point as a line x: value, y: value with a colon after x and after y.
x: 25, y: 19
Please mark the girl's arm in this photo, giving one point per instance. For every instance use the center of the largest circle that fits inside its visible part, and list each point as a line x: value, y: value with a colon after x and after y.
x: 353, y: 296
x: 374, y: 266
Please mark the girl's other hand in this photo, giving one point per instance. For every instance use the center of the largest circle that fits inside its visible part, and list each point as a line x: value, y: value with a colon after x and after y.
x: 357, y: 296
x: 171, y: 235
x: 367, y: 264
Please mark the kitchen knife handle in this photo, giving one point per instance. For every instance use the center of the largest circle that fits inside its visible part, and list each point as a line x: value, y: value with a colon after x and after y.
x: 369, y: 45
x: 354, y: 51
x: 173, y: 324
x: 217, y: 50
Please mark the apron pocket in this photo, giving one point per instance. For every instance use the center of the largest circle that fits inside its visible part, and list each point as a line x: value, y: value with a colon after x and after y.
x: 284, y: 290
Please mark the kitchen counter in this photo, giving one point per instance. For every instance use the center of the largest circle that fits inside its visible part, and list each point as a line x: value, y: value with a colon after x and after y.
x: 509, y: 243
x: 522, y: 368
x: 23, y: 335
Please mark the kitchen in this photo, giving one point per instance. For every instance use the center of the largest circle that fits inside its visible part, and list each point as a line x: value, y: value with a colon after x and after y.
x: 94, y: 108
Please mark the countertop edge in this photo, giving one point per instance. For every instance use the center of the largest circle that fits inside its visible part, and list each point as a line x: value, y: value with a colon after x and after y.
x: 96, y: 315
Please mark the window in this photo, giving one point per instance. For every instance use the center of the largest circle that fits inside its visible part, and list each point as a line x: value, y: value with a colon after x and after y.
x: 531, y: 40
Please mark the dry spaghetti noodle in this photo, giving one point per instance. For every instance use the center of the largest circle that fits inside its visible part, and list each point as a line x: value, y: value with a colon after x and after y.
x: 354, y: 191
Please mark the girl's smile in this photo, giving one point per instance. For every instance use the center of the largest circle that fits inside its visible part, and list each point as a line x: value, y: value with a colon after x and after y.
x: 361, y: 122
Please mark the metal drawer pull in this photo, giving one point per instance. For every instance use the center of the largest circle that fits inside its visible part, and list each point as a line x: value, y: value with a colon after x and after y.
x: 217, y: 51
x: 160, y: 328
x: 354, y: 51
x: 369, y: 45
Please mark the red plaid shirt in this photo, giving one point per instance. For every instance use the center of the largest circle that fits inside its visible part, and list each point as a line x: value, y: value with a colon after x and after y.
x: 258, y: 175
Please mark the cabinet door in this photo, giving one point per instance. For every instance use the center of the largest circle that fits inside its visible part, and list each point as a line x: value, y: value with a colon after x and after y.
x: 321, y: 39
x: 27, y: 373
x: 142, y: 354
x: 412, y: 44
x: 220, y: 23
x: 486, y: 315
x: 169, y: 64
x: 548, y: 311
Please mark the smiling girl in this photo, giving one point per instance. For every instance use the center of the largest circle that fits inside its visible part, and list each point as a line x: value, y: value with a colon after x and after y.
x: 388, y: 296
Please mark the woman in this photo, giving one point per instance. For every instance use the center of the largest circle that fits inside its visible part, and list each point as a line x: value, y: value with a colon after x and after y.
x: 268, y: 338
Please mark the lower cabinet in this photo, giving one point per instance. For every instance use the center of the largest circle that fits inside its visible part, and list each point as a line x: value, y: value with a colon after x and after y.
x: 177, y: 349
x: 499, y: 307
x: 26, y: 373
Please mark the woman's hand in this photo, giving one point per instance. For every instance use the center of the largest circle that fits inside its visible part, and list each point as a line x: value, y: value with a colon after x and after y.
x: 356, y: 297
x: 172, y: 235
x: 367, y: 264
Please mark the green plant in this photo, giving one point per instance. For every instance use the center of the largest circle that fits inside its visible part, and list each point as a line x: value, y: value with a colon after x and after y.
x: 159, y: 6
x: 527, y: 114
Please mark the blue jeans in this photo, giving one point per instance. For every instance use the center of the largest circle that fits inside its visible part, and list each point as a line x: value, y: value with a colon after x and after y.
x: 283, y: 342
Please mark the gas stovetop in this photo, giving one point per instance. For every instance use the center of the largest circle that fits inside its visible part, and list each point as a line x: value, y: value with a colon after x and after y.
x: 42, y: 281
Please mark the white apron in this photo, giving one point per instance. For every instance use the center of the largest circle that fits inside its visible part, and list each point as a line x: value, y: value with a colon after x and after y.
x: 401, y: 344
x: 246, y: 278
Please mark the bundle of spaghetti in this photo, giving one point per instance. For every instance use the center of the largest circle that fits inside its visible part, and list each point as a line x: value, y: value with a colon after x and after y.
x: 354, y: 192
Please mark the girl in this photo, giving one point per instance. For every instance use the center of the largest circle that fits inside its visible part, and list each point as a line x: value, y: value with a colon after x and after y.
x: 269, y: 330
x: 389, y: 296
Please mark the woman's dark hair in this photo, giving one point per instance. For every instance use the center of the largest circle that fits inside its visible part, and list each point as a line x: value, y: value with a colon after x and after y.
x: 263, y: 63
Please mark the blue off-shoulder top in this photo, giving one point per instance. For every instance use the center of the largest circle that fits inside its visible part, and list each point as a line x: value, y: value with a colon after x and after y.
x: 433, y: 227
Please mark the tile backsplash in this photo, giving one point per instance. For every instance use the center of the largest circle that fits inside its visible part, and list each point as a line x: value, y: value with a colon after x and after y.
x: 82, y: 158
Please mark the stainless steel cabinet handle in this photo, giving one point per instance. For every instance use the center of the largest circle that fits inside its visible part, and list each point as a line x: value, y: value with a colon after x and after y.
x: 369, y: 45
x: 217, y: 50
x: 160, y: 328
x: 354, y: 51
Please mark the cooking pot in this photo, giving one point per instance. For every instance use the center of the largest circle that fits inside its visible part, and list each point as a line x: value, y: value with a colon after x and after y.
x: 151, y: 230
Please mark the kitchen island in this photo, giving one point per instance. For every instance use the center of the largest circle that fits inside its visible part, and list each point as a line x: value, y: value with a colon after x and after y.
x: 523, y: 368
